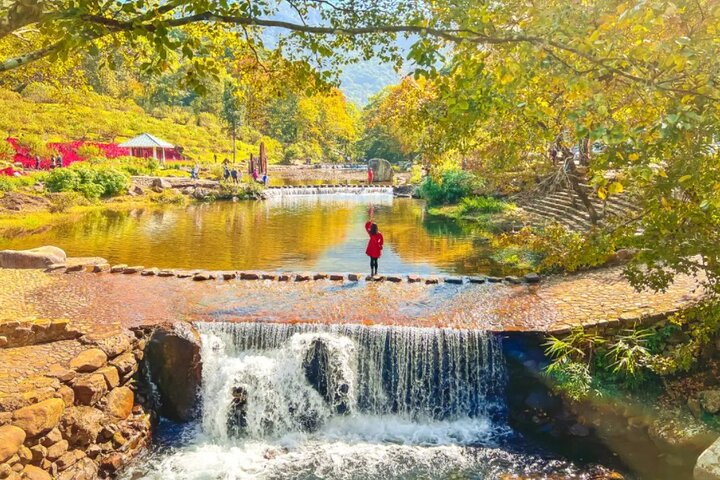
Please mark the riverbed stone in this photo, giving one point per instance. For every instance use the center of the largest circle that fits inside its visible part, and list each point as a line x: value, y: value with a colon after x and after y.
x: 707, y: 466
x: 31, y: 472
x: 133, y: 269
x: 119, y: 403
x: 432, y: 281
x: 81, y: 425
x: 710, y: 401
x: 336, y: 277
x: 414, y: 278
x: 39, y: 418
x: 532, y: 278
x: 89, y: 360
x: 454, y: 280
x: 41, y: 257
x: 119, y: 268
x: 477, y: 279
x: 173, y: 355
x: 89, y: 389
x: 355, y: 277
x: 249, y: 276
x: 166, y: 273
x: 11, y: 439
x: 150, y: 272
x: 57, y: 450
x: 112, y: 378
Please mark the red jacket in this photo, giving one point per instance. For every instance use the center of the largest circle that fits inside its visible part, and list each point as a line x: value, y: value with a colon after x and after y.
x: 375, y: 244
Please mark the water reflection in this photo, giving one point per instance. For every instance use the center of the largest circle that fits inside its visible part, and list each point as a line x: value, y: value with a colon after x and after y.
x: 322, y: 233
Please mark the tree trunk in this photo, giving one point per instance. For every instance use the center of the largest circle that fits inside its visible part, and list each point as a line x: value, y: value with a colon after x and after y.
x: 234, y: 136
x: 574, y: 177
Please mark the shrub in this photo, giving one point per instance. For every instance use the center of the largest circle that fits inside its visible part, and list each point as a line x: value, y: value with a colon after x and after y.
x: 450, y: 187
x: 91, y: 153
x: 92, y: 182
x: 63, y: 202
x: 482, y: 205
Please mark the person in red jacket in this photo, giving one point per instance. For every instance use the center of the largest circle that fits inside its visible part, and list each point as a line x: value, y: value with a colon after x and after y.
x: 375, y: 246
x: 371, y: 175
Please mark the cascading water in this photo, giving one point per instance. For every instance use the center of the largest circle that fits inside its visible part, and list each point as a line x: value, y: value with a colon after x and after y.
x: 316, y: 401
x: 328, y: 189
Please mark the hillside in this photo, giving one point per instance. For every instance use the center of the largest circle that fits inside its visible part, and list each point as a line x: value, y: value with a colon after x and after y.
x: 45, y: 114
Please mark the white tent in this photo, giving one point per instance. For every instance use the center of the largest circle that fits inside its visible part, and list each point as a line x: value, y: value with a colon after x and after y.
x: 147, y: 141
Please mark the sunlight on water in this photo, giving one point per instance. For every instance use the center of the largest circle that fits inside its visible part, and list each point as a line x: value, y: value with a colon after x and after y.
x: 298, y: 232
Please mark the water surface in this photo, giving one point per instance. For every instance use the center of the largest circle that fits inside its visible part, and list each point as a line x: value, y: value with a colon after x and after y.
x: 295, y: 233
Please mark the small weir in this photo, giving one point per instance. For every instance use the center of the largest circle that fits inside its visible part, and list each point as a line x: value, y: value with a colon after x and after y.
x: 327, y: 190
x: 347, y: 402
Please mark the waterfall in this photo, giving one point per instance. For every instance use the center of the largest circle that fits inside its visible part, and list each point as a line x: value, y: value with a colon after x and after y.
x: 264, y: 378
x: 328, y: 189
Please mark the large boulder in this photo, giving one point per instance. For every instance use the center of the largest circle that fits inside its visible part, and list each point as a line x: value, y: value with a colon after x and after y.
x: 173, y: 358
x: 120, y: 403
x: 382, y: 170
x: 88, y: 360
x: 40, y: 417
x: 710, y: 401
x: 707, y: 466
x: 82, y: 425
x: 41, y: 257
x: 11, y: 439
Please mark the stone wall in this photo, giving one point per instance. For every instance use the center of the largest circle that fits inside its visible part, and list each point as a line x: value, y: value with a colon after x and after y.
x: 32, y: 332
x: 76, y: 421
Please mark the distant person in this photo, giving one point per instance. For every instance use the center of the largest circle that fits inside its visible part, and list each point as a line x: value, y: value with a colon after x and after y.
x: 234, y: 175
x: 59, y: 161
x: 371, y: 175
x: 195, y: 174
x: 374, y: 246
x: 226, y: 171
x: 265, y: 179
x: 255, y: 174
x: 37, y: 162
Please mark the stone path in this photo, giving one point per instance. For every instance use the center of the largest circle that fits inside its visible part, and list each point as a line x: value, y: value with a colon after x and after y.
x: 103, y: 301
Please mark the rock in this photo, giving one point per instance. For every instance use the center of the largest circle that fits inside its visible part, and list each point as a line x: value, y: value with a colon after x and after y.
x: 57, y: 450
x: 269, y: 276
x: 53, y: 436
x: 119, y: 268
x: 540, y: 400
x: 5, y: 470
x: 355, y: 277
x: 89, y: 360
x: 707, y: 466
x: 249, y: 276
x: 41, y: 257
x: 695, y: 408
x: 173, y: 355
x: 382, y: 170
x: 680, y: 431
x: 112, y: 462
x: 414, y: 279
x: 320, y: 276
x: 111, y: 345
x: 202, y: 276
x: 494, y: 279
x: 82, y: 425
x: 150, y: 272
x: 710, y: 401
x: 31, y: 472
x: 112, y: 378
x: 61, y: 373
x: 393, y: 278
x: 120, y: 403
x: 89, y: 389
x: 532, y: 278
x: 336, y: 277
x: 513, y: 280
x: 66, y: 394
x: 228, y: 275
x: 316, y: 365
x: 454, y: 280
x: 84, y: 469
x: 3, y: 341
x: 38, y: 452
x: 11, y: 439
x: 40, y: 417
x: 133, y: 269
x: 432, y: 281
x: 125, y: 363
x: 166, y: 273
x: 161, y: 183
x: 579, y: 430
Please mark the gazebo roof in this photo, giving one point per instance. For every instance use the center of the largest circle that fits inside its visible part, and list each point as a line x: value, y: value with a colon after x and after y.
x: 145, y: 140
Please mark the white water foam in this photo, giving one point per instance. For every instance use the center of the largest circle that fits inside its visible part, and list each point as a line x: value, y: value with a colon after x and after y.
x: 291, y: 430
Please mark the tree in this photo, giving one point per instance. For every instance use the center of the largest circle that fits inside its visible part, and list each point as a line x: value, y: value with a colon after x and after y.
x: 232, y: 113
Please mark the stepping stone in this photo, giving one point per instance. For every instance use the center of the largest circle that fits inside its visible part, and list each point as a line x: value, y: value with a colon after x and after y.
x: 284, y: 277
x: 432, y: 281
x: 375, y: 278
x: 133, y: 269
x: 166, y: 273
x: 55, y: 266
x: 150, y: 272
x: 454, y: 280
x: 320, y: 276
x: 269, y: 276
x: 477, y: 279
x: 184, y: 274
x: 74, y: 268
x: 228, y: 275
x: 355, y: 277
x: 513, y: 280
x: 249, y: 276
x: 337, y: 277
x: 494, y: 279
x: 414, y: 278
x: 393, y: 278
x: 118, y: 268
x: 532, y: 278
x: 98, y: 268
x: 202, y: 276
x: 302, y: 277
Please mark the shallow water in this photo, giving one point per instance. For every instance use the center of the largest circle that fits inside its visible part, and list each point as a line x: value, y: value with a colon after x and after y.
x: 317, y: 233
